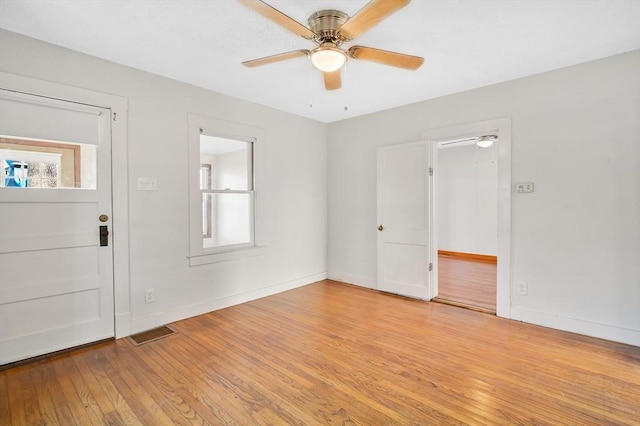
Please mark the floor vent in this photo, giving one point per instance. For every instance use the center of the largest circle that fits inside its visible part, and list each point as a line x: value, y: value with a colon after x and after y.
x: 151, y: 335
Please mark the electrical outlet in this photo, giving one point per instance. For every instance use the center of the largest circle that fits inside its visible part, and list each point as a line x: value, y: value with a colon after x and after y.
x: 522, y: 288
x: 149, y: 295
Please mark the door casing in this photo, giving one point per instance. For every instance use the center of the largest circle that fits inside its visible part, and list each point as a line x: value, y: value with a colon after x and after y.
x: 501, y: 127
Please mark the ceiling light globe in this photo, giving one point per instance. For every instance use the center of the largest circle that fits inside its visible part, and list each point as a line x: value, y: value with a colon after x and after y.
x: 486, y: 141
x: 328, y: 58
x: 484, y: 144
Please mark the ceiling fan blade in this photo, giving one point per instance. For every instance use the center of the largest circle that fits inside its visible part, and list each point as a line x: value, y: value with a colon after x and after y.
x: 332, y: 80
x: 275, y: 58
x: 279, y: 18
x: 372, y: 13
x: 385, y: 57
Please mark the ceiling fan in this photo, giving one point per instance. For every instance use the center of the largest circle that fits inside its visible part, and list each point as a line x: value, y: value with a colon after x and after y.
x: 329, y: 29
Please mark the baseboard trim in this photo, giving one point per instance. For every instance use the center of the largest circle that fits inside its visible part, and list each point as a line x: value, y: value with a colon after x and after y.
x: 155, y: 320
x: 354, y: 279
x: 469, y: 256
x: 573, y: 325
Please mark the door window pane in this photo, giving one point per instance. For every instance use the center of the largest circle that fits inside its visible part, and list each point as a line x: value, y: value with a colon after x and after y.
x: 29, y: 163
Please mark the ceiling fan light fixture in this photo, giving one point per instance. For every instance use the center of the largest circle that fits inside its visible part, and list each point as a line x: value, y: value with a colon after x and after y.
x: 328, y: 57
x: 486, y: 141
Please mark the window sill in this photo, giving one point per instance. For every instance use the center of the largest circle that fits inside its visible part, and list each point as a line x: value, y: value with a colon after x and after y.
x: 224, y: 256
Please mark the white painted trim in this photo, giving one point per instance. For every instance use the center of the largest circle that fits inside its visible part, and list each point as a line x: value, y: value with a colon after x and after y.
x: 224, y: 256
x: 123, y: 324
x: 232, y: 130
x: 361, y: 281
x: 155, y: 320
x: 120, y: 192
x: 501, y: 126
x: 587, y: 328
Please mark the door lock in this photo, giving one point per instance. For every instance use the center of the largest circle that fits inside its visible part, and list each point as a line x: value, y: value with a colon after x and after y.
x: 380, y: 227
x: 104, y: 236
x: 103, y: 218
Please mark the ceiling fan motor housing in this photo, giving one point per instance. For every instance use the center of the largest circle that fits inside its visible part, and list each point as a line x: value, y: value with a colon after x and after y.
x: 326, y: 23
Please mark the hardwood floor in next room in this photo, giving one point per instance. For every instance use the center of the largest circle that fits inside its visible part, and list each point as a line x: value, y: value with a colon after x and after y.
x: 467, y: 282
x: 331, y: 353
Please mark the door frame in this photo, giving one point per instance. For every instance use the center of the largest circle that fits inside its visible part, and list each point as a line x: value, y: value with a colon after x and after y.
x: 501, y: 127
x: 119, y: 186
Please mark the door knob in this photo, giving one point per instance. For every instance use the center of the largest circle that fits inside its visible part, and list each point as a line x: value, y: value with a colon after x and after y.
x: 380, y: 227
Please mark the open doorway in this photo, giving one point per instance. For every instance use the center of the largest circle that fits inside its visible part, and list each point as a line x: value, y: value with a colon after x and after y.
x: 467, y: 227
x: 501, y: 128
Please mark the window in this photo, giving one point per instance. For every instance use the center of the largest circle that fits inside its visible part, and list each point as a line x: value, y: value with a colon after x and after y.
x: 223, y: 197
x: 226, y: 184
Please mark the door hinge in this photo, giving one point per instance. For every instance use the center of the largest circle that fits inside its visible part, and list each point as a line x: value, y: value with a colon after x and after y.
x: 430, y: 267
x: 430, y: 171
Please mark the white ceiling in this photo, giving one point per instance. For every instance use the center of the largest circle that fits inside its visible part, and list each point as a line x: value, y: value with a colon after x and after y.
x: 465, y: 43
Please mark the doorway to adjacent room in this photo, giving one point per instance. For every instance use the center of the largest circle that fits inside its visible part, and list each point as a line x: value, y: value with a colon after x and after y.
x: 467, y: 226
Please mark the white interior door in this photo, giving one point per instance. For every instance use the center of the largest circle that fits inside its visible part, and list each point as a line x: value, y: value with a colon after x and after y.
x: 404, y: 187
x: 56, y: 273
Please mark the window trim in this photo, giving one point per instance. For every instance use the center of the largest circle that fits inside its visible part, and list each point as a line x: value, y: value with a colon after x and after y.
x: 198, y: 255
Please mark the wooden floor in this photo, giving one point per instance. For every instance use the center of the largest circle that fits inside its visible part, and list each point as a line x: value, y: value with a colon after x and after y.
x: 469, y: 282
x: 330, y: 353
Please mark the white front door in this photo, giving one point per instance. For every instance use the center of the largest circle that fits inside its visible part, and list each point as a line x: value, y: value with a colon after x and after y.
x: 56, y: 272
x: 403, y: 219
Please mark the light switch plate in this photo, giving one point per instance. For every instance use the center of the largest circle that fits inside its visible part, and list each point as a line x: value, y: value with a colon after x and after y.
x: 147, y: 184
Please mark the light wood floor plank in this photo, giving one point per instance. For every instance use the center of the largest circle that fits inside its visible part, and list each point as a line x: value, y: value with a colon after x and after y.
x: 331, y: 353
x: 46, y: 392
x: 67, y: 394
x: 467, y: 281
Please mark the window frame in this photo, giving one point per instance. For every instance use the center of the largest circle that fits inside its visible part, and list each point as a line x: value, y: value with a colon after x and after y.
x: 198, y: 255
x: 207, y: 210
x: 215, y: 190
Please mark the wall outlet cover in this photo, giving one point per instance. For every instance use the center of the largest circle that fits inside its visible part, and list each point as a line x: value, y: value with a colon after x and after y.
x: 522, y: 288
x: 149, y: 295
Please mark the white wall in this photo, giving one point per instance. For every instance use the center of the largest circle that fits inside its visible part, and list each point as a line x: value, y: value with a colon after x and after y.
x: 576, y: 239
x: 468, y: 199
x: 295, y: 209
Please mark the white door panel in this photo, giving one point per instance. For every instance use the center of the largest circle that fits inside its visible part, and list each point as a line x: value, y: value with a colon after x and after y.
x: 56, y: 280
x: 40, y: 118
x: 403, y: 214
